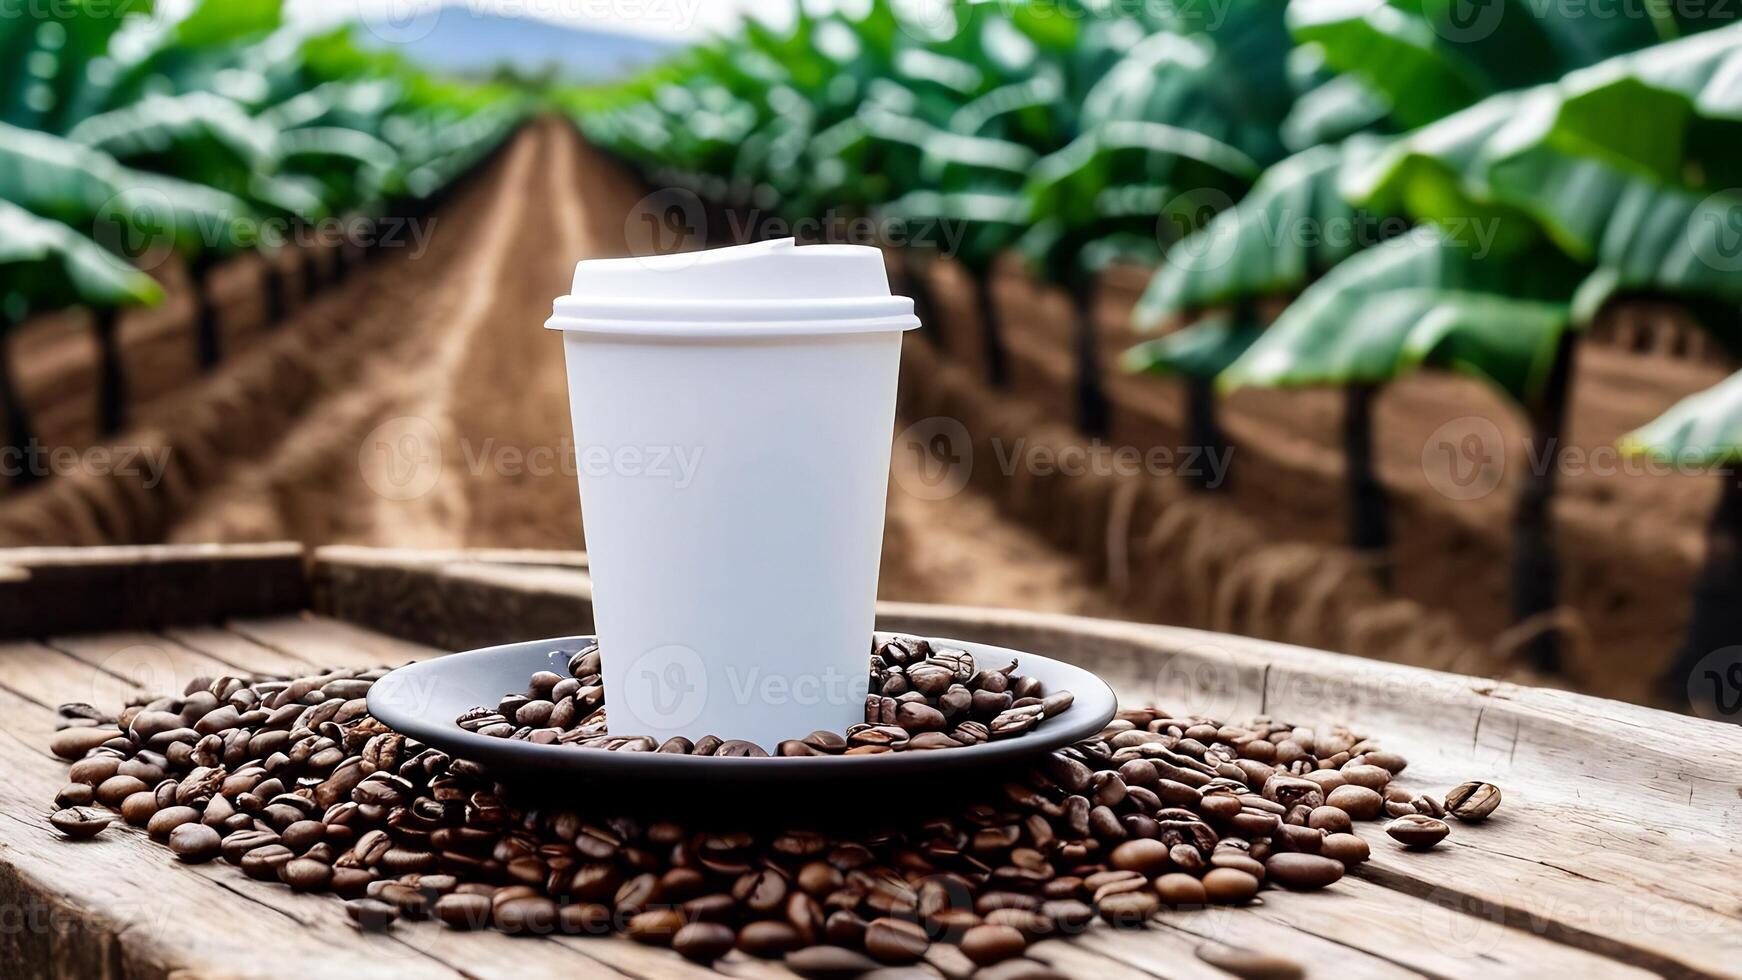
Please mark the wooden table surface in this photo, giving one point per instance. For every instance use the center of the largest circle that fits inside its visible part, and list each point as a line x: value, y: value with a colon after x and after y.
x: 1617, y: 850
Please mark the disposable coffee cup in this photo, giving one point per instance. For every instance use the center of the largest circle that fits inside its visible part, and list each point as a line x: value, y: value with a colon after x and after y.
x: 733, y: 414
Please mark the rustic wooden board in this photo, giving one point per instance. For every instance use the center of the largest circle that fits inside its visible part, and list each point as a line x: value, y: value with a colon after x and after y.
x: 44, y: 591
x: 1614, y: 853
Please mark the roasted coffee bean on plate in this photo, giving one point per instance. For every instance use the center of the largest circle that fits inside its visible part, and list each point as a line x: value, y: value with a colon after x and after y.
x: 921, y: 698
x: 294, y: 782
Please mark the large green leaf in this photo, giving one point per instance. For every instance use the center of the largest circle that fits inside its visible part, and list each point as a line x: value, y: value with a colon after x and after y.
x: 1703, y: 429
x: 1419, y: 301
x: 976, y: 226
x: 1293, y: 226
x: 131, y: 211
x: 1539, y: 160
x: 1201, y: 350
x: 50, y: 52
x: 45, y: 264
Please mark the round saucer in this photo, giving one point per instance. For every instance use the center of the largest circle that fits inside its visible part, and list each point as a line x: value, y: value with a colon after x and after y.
x: 423, y: 699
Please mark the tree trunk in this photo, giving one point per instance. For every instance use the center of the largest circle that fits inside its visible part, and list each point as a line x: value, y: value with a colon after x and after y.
x: 1714, y: 690
x: 916, y: 269
x: 208, y: 339
x: 20, y: 434
x: 1091, y: 390
x: 111, y: 378
x: 991, y: 330
x: 1535, y: 576
x: 1204, y: 430
x: 274, y: 289
x: 1369, y: 506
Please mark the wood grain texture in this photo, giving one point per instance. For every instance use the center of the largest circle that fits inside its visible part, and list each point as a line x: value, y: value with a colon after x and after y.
x: 46, y: 591
x: 1613, y: 853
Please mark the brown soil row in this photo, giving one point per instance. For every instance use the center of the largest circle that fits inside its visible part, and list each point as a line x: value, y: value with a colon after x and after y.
x: 1630, y: 541
x: 218, y: 426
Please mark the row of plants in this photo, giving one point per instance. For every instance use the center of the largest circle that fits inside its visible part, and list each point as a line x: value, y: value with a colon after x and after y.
x: 1413, y: 183
x: 128, y: 137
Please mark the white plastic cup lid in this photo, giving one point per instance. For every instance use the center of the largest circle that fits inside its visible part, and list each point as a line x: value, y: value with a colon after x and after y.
x: 767, y: 288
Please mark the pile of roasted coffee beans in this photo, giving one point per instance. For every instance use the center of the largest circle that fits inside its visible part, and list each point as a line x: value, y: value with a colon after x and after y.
x: 291, y: 780
x: 921, y: 698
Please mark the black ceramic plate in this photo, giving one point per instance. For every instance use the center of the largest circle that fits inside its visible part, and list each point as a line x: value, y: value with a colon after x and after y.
x: 423, y: 699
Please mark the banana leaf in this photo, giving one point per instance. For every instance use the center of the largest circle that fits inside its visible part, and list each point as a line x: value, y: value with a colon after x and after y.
x: 1703, y: 429
x: 1600, y: 193
x: 1184, y: 82
x: 353, y: 168
x: 130, y: 211
x: 1201, y: 350
x: 45, y: 265
x: 986, y: 223
x: 47, y: 54
x: 1293, y: 226
x: 1418, y: 301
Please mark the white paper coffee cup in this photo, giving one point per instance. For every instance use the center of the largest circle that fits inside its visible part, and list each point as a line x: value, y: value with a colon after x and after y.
x: 733, y: 413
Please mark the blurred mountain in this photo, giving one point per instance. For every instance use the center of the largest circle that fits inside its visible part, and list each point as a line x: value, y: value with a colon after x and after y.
x: 462, y: 41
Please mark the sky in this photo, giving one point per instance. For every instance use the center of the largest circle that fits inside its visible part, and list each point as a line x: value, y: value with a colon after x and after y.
x: 674, y: 20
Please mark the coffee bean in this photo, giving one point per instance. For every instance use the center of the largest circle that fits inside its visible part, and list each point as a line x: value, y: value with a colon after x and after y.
x: 656, y: 927
x: 112, y: 791
x: 305, y: 874
x: 195, y: 843
x: 1229, y: 886
x: 829, y: 963
x: 164, y: 822
x: 80, y: 823
x: 1146, y: 857
x: 371, y: 915
x: 462, y: 910
x: 1417, y: 832
x: 1472, y: 802
x: 767, y: 939
x: 73, y: 743
x: 989, y: 944
x: 895, y: 940
x: 74, y: 794
x: 1248, y: 964
x: 525, y: 915
x: 1127, y: 909
x: 703, y: 942
x: 1302, y: 871
x: 1358, y: 802
x: 1347, y: 848
x: 1180, y: 891
x: 261, y: 863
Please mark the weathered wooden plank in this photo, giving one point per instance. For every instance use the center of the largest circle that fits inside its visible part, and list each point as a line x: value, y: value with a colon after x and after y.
x: 116, y: 906
x: 128, y: 663
x: 46, y: 591
x: 331, y: 642
x: 453, y: 606
x: 1616, y: 834
x: 412, y: 948
x: 238, y: 651
x: 312, y: 640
